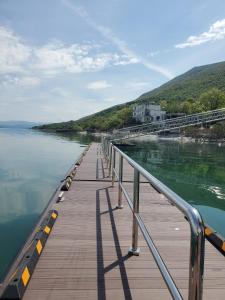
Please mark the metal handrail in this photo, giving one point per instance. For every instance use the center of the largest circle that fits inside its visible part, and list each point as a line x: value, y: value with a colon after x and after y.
x: 195, y: 115
x: 169, y: 124
x: 197, y: 240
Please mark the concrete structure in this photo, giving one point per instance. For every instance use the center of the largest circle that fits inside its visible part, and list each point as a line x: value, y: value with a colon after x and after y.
x: 148, y: 112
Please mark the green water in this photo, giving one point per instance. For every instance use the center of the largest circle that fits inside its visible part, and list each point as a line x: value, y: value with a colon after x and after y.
x: 31, y: 166
x: 194, y: 171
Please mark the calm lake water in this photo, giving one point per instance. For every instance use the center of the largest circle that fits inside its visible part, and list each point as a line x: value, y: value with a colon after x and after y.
x: 194, y: 171
x: 33, y: 163
x: 31, y: 166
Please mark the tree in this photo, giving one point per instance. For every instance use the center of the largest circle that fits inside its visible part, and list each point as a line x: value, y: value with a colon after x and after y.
x: 163, y: 104
x: 187, y: 107
x: 174, y: 107
x: 212, y: 99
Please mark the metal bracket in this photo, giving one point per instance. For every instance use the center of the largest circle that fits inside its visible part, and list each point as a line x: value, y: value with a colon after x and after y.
x: 119, y: 206
x: 135, y: 252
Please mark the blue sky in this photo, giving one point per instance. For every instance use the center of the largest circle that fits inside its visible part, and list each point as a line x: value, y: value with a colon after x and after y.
x: 64, y: 59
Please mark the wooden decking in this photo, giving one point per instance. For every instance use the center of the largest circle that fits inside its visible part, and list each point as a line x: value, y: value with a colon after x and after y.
x: 86, y: 254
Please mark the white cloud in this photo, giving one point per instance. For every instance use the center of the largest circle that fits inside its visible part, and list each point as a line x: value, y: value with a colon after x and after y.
x: 13, y: 51
x: 98, y: 85
x: 122, y: 46
x: 125, y: 60
x: 53, y: 58
x: 29, y: 81
x: 56, y: 58
x: 22, y: 81
x: 215, y: 32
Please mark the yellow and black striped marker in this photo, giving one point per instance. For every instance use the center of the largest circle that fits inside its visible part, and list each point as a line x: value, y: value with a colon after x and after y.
x: 21, y: 277
x: 215, y: 239
x: 72, y: 174
x: 67, y: 183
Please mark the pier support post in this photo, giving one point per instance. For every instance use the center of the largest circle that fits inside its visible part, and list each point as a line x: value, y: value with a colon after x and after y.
x: 134, y: 250
x: 120, y: 182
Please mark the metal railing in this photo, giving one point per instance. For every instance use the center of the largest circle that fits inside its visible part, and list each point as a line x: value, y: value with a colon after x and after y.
x: 197, y: 239
x: 170, y: 124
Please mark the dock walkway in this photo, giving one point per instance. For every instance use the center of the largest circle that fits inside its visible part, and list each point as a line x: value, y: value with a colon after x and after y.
x: 86, y: 255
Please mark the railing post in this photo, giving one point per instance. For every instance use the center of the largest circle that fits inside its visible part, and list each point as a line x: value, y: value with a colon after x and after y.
x: 120, y: 182
x: 110, y: 160
x: 134, y: 250
x: 113, y: 165
x: 107, y: 155
x: 197, y: 256
x: 104, y: 148
x: 109, y: 150
x: 103, y: 144
x: 106, y: 151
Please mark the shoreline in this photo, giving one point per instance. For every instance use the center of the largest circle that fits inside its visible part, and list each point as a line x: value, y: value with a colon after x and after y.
x: 150, y: 137
x: 180, y: 138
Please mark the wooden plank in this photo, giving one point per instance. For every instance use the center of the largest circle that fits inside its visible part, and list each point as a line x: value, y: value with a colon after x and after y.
x: 86, y: 254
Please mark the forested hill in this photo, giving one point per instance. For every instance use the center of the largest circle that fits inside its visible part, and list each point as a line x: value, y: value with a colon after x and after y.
x: 189, y: 92
x: 190, y: 84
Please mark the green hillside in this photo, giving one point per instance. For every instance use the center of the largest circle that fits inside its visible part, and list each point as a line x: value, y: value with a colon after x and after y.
x: 201, y: 88
x: 190, y: 84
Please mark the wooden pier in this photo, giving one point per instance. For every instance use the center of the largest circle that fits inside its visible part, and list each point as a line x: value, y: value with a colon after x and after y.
x: 86, y: 255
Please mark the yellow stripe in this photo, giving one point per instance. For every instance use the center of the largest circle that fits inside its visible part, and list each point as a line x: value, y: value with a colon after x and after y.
x: 54, y: 215
x: 39, y: 247
x: 25, y: 276
x: 223, y: 246
x: 208, y: 231
x: 47, y: 229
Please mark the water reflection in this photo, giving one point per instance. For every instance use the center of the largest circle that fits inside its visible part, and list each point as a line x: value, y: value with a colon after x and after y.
x: 219, y: 193
x: 72, y: 136
x: 13, y: 234
x: 194, y: 171
x: 31, y: 165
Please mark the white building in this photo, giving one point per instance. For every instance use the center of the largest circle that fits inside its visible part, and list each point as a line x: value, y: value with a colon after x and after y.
x: 148, y: 112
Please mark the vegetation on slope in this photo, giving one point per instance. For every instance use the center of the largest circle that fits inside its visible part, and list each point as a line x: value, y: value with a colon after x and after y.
x: 209, y: 100
x: 190, y: 84
x: 201, y: 88
x: 112, y: 118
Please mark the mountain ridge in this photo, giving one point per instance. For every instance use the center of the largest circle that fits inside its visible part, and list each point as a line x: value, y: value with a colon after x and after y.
x: 188, y: 86
x: 213, y: 71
